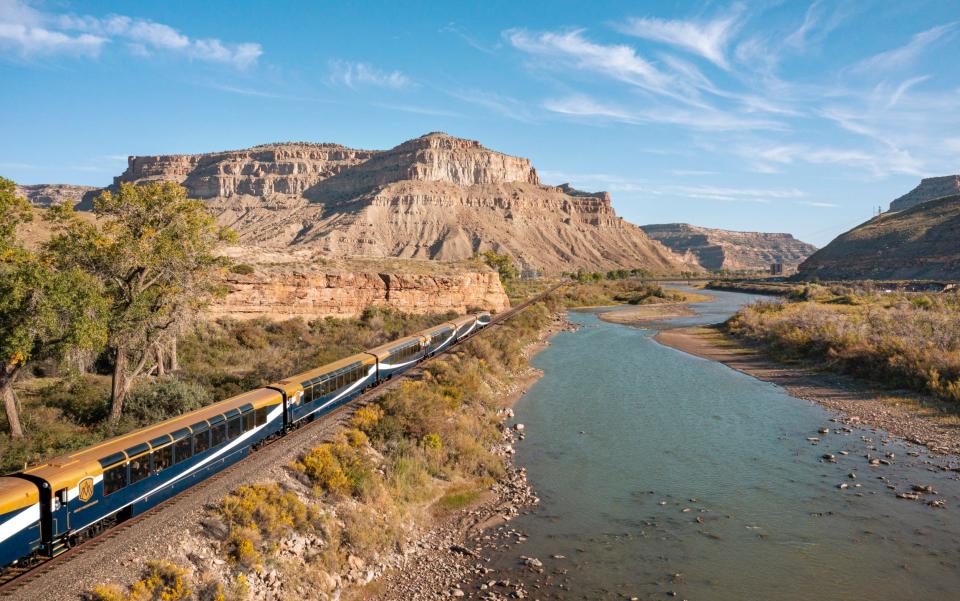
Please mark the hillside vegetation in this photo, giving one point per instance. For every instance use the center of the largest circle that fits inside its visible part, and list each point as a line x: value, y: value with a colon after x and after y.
x: 920, y: 242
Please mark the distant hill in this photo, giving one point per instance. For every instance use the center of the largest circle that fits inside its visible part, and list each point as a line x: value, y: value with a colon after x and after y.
x: 434, y: 197
x: 44, y: 196
x: 715, y: 249
x: 930, y: 188
x: 919, y: 242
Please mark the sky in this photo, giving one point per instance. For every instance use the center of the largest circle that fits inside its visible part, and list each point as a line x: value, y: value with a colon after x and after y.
x: 783, y: 116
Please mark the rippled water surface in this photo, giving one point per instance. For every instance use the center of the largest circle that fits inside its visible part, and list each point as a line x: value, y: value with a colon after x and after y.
x: 660, y: 472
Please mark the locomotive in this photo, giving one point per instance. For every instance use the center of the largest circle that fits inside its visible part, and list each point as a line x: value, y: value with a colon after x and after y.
x: 50, y: 507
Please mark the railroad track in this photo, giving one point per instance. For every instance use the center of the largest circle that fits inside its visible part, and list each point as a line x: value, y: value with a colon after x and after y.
x: 15, y: 578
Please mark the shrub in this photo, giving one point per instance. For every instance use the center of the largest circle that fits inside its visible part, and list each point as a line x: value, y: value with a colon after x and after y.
x: 156, y: 400
x: 160, y: 581
x: 242, y: 269
x: 366, y: 418
x: 263, y: 513
x: 85, y: 400
x: 338, y: 468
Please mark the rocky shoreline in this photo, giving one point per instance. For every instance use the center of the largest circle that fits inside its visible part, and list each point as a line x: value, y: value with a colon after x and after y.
x: 449, y: 560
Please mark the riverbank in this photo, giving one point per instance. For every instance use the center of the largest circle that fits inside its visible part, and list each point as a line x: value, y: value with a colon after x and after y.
x: 448, y: 555
x: 913, y: 417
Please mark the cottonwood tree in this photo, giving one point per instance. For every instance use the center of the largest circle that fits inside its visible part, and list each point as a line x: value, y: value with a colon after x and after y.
x: 44, y: 312
x: 154, y: 251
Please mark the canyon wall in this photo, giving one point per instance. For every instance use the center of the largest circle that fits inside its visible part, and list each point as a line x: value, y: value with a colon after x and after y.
x: 434, y: 197
x: 313, y: 294
x: 716, y: 249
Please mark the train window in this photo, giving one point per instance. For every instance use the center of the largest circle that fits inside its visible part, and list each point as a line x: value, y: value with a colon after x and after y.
x: 139, y: 468
x: 201, y: 442
x: 248, y: 421
x: 184, y: 449
x: 261, y: 416
x: 156, y: 443
x: 219, y: 434
x: 114, y: 479
x: 235, y: 427
x: 138, y: 449
x: 112, y: 459
x: 163, y: 457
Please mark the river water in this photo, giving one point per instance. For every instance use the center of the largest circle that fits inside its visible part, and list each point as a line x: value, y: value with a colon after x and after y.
x: 660, y: 473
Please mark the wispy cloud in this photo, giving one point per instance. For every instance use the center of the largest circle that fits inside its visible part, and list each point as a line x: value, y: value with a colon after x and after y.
x: 692, y: 172
x: 32, y: 33
x: 706, y: 118
x: 818, y: 204
x: 767, y: 159
x: 467, y: 38
x: 354, y: 75
x: 618, y: 61
x: 505, y: 106
x: 418, y: 110
x: 906, y: 55
x: 729, y: 194
x: 708, y: 39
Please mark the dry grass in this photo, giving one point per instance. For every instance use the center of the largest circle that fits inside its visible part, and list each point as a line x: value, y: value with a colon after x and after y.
x: 909, y: 341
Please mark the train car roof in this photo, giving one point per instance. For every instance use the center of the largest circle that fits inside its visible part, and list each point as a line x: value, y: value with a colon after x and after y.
x: 440, y: 326
x: 294, y: 382
x: 458, y: 321
x: 16, y: 493
x: 383, y: 350
x: 66, y: 470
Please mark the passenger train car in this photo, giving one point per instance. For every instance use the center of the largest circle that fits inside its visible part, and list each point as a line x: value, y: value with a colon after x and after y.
x: 47, y: 508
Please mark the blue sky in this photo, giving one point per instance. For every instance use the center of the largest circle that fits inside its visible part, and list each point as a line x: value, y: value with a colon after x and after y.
x: 771, y: 116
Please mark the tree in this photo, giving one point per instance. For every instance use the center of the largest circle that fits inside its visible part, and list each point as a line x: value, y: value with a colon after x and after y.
x: 503, y: 264
x: 154, y: 252
x: 44, y: 312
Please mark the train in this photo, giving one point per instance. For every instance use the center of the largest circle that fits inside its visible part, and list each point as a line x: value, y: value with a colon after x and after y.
x: 50, y: 507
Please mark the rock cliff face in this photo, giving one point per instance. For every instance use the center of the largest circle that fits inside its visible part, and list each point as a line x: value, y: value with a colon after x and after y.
x: 316, y: 288
x: 930, y: 188
x: 920, y: 242
x: 262, y: 171
x: 46, y: 195
x: 715, y: 249
x: 435, y: 197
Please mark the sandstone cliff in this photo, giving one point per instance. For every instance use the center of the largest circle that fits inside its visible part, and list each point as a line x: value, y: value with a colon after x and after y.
x: 46, y: 195
x: 715, y: 249
x: 930, y: 188
x: 920, y: 242
x: 300, y: 284
x: 434, y: 197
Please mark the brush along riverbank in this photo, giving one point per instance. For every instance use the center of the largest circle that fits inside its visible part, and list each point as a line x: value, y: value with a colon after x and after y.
x: 427, y: 459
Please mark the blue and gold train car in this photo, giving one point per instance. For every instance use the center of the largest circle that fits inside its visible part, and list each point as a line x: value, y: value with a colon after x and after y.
x: 19, y: 519
x: 80, y: 493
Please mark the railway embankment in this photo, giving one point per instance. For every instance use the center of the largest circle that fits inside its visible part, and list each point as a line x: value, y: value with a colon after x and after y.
x: 381, y: 507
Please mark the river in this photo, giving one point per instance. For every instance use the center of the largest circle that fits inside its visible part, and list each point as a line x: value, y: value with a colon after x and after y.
x: 661, y: 474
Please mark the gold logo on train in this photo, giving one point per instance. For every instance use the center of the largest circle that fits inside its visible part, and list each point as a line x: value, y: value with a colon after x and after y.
x: 86, y: 489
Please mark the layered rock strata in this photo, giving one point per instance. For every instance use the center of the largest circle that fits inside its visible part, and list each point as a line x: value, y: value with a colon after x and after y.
x: 715, y: 249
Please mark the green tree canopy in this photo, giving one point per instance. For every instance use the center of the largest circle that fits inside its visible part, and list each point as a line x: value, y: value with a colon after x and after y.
x: 44, y: 312
x: 503, y: 264
x: 154, y: 252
